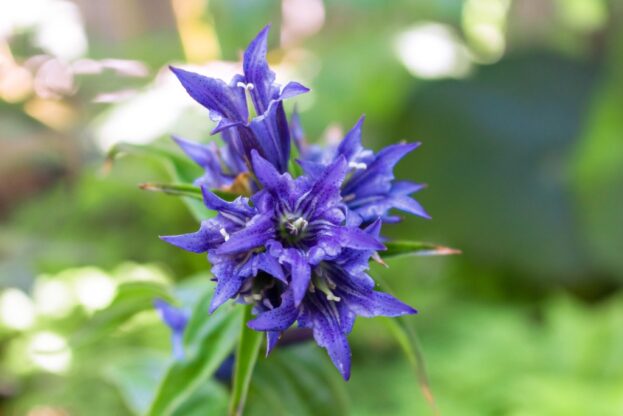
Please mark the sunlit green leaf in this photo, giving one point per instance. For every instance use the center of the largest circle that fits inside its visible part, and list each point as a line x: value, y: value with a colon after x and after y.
x: 181, y: 168
x: 297, y: 380
x: 246, y: 357
x: 405, y: 335
x: 136, y: 376
x: 131, y: 298
x: 209, y: 339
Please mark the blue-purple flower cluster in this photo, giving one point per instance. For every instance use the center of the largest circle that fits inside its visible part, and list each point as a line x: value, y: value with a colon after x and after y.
x: 296, y: 248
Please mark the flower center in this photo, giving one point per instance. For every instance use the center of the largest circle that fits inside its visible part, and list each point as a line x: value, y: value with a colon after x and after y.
x: 320, y: 281
x: 293, y: 228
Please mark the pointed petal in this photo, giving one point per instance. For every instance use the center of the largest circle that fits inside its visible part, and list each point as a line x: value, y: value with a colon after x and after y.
x: 222, y: 100
x: 273, y: 135
x: 278, y: 319
x: 410, y: 205
x: 357, y: 238
x: 350, y: 146
x: 257, y: 72
x: 257, y: 232
x: 201, y: 154
x: 377, y: 177
x: 406, y: 187
x: 237, y: 210
x: 265, y: 262
x: 296, y: 131
x: 292, y: 89
x: 328, y: 333
x: 300, y: 271
x: 376, y: 304
x: 226, y: 288
x: 325, y: 192
x: 201, y: 241
x: 269, y: 177
x: 174, y: 318
x: 272, y: 337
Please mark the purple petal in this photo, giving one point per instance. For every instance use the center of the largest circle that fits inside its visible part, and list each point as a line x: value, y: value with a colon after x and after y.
x: 278, y: 319
x: 272, y: 337
x: 296, y: 131
x: 300, y: 270
x: 377, y: 177
x: 292, y: 89
x: 410, y: 205
x: 326, y: 190
x: 227, y: 286
x: 375, y: 304
x: 273, y: 136
x: 357, y: 238
x: 199, y: 153
x: 274, y: 182
x: 237, y: 211
x: 329, y: 334
x: 406, y: 187
x: 223, y: 101
x: 201, y: 241
x: 255, y: 234
x: 173, y: 317
x: 265, y: 262
x: 257, y: 72
x: 350, y: 146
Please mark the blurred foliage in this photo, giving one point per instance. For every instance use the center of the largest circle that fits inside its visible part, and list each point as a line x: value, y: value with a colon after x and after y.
x: 524, y: 162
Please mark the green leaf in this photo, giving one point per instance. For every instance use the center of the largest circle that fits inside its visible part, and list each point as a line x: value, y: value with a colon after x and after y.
x: 246, y: 357
x: 297, y: 380
x: 209, y: 399
x: 136, y: 375
x: 131, y: 298
x: 180, y: 168
x: 405, y: 335
x: 209, y: 339
x: 416, y: 248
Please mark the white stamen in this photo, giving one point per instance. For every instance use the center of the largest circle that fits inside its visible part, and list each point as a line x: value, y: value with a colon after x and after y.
x: 356, y: 165
x: 297, y: 226
x: 331, y: 296
x: 224, y: 233
x: 247, y: 87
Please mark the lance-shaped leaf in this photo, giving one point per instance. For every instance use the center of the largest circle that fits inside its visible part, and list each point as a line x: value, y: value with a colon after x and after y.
x: 180, y: 168
x: 246, y: 357
x: 208, y: 339
x: 416, y: 248
x: 405, y: 335
x: 131, y: 298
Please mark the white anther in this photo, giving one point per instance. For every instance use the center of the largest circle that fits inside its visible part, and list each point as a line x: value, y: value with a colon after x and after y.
x: 247, y: 87
x: 356, y: 165
x: 224, y: 233
x: 331, y: 296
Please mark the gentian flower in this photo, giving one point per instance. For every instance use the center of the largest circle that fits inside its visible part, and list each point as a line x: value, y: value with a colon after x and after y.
x: 293, y: 225
x: 176, y: 319
x: 296, y: 248
x: 340, y: 289
x: 371, y: 190
x: 267, y: 132
x: 224, y: 169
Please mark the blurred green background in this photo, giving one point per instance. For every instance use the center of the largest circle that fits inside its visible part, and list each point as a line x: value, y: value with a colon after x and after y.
x: 518, y: 103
